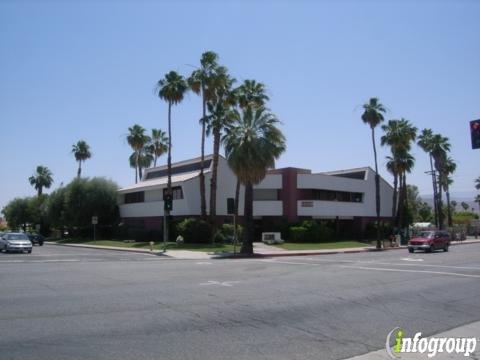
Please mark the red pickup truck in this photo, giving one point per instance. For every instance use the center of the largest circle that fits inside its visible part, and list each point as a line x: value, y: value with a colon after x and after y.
x: 430, y: 241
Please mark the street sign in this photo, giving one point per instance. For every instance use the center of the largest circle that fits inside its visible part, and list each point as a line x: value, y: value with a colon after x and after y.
x: 94, y: 220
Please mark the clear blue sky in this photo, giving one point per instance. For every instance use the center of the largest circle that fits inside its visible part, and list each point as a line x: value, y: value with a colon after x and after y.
x: 87, y: 71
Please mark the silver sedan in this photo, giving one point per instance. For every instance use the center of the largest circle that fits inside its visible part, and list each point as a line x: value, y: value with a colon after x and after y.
x: 15, y: 242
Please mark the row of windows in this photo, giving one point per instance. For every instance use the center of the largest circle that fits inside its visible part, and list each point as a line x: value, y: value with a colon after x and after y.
x: 332, y: 195
x: 263, y: 195
x: 139, y: 196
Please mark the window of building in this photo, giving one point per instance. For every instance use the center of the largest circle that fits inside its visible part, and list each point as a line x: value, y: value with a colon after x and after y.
x: 177, y: 193
x: 265, y: 194
x: 332, y: 195
x: 135, y: 197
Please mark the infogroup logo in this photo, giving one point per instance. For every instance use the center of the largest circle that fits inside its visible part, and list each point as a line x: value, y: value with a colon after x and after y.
x: 432, y: 346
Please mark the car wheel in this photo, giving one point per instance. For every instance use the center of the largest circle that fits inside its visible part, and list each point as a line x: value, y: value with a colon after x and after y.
x: 29, y: 251
x: 40, y: 244
x: 445, y: 248
x: 411, y: 251
x: 430, y: 249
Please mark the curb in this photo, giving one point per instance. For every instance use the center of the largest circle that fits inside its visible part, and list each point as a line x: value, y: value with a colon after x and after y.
x: 138, y: 251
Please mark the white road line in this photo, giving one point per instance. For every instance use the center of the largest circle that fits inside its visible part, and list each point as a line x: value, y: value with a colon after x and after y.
x: 411, y: 271
x: 37, y: 261
x: 218, y: 283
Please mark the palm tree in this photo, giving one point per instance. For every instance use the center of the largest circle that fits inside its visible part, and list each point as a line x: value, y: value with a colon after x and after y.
x: 141, y: 160
x: 398, y: 135
x: 252, y: 143
x: 253, y: 94
x: 440, y: 148
x: 81, y: 151
x: 425, y: 142
x: 137, y: 139
x: 477, y: 183
x: 202, y: 82
x: 158, y: 144
x: 405, y: 163
x: 373, y: 115
x: 41, y: 179
x: 449, y: 168
x: 220, y: 109
x: 172, y: 89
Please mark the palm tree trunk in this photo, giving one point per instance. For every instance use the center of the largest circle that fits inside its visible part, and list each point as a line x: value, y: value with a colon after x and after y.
x: 169, y: 169
x: 435, y: 196
x: 247, y: 244
x: 39, y: 191
x: 140, y: 173
x: 440, y: 202
x: 155, y: 160
x: 401, y: 202
x: 213, y: 181
x: 203, y: 202
x: 449, y: 210
x: 79, y: 171
x: 377, y: 190
x: 237, y: 196
x: 395, y: 190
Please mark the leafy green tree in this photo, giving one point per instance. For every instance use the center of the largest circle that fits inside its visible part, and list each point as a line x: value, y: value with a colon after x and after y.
x: 158, y: 144
x: 137, y: 139
x: 41, y: 179
x: 17, y: 213
x: 203, y: 81
x: 252, y: 143
x: 373, y: 115
x: 465, y: 205
x: 172, y: 89
x: 74, y: 205
x: 81, y: 151
x: 424, y: 212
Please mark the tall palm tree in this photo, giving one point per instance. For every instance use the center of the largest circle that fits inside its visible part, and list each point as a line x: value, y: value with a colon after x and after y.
x: 203, y: 81
x: 254, y: 94
x: 158, y: 144
x: 81, y: 151
x: 41, y: 179
x: 425, y: 142
x: 252, y: 143
x: 373, y: 116
x: 398, y: 134
x: 440, y: 148
x: 137, y: 139
x: 477, y: 183
x: 172, y: 89
x: 449, y: 167
x: 220, y: 109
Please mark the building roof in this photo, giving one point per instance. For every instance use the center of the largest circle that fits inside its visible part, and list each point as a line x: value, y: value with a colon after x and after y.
x: 146, y: 184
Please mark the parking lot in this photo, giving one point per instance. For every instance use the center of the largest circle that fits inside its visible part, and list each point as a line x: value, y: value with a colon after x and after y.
x: 70, y: 303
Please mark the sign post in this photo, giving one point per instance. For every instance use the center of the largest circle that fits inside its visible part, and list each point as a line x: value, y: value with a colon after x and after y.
x: 94, y: 223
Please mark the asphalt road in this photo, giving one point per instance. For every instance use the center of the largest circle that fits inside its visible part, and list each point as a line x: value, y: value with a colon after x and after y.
x: 70, y: 303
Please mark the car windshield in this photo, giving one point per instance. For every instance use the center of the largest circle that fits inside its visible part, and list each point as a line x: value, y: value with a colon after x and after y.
x: 15, y: 237
x: 426, y: 234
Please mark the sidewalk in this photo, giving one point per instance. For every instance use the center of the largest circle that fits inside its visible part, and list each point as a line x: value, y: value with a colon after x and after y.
x: 259, y: 249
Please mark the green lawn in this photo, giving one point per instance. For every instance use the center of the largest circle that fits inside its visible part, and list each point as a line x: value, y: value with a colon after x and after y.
x: 157, y: 246
x: 322, y: 246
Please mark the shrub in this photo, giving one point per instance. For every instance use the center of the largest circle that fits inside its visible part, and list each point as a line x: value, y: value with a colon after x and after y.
x: 298, y: 234
x: 225, y: 234
x: 195, y: 231
x: 311, y: 231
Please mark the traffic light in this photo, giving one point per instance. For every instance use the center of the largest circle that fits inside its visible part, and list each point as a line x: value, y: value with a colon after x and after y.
x: 168, y: 202
x: 475, y: 131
